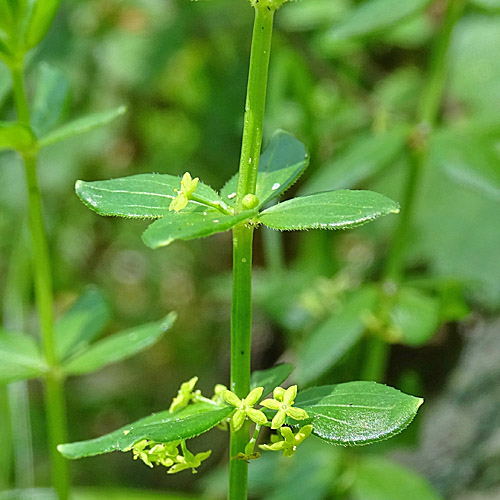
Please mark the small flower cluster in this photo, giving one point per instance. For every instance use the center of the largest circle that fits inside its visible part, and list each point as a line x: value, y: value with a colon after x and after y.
x: 282, y: 402
x: 167, y: 454
x: 184, y: 395
x: 188, y: 187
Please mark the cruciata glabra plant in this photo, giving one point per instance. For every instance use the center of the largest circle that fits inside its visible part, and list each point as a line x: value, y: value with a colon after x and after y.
x: 353, y: 413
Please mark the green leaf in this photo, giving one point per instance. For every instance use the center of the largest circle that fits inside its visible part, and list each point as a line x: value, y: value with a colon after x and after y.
x: 188, y: 225
x: 469, y: 160
x: 332, y: 210
x: 20, y: 357
x: 118, y: 347
x: 357, y: 413
x: 81, y: 126
x: 140, y: 196
x: 161, y: 427
x: 491, y: 5
x: 367, y: 155
x: 15, y: 136
x: 377, y: 478
x: 43, y: 13
x: 281, y: 164
x: 327, y: 344
x: 270, y: 378
x: 50, y: 97
x: 81, y: 324
x: 375, y: 16
x: 415, y: 316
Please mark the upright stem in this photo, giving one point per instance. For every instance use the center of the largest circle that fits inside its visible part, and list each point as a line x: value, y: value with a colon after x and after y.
x: 427, y: 114
x: 255, y: 102
x: 241, y: 335
x: 241, y: 310
x: 56, y: 411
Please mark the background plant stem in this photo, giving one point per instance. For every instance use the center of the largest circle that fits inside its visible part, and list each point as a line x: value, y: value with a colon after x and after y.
x: 241, y: 309
x: 56, y: 412
x: 427, y: 114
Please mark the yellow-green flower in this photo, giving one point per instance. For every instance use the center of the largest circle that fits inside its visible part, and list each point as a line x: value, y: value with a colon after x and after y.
x: 291, y: 441
x: 152, y: 453
x: 188, y: 461
x: 219, y: 390
x: 282, y: 402
x: 245, y: 408
x: 188, y: 187
x: 184, y: 395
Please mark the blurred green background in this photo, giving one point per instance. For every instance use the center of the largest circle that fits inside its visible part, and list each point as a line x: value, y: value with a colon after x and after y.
x: 180, y: 67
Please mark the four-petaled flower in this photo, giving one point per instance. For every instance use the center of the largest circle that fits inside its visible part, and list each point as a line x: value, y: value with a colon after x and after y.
x: 245, y: 408
x: 282, y: 402
x: 188, y: 461
x: 289, y: 444
x: 184, y: 395
x: 188, y: 187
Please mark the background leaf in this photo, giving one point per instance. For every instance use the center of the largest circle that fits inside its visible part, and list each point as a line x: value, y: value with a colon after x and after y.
x: 468, y: 159
x: 332, y: 210
x: 82, y: 323
x: 377, y: 478
x: 270, y: 378
x: 357, y: 413
x: 188, y: 225
x: 374, y: 16
x: 415, y: 315
x: 81, y: 126
x: 324, y: 346
x: 118, y: 347
x: 161, y: 427
x: 20, y: 357
x: 50, y: 97
x: 365, y: 156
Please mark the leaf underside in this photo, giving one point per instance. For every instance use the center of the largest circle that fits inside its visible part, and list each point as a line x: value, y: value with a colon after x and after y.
x: 188, y: 225
x: 161, y: 427
x: 20, y: 357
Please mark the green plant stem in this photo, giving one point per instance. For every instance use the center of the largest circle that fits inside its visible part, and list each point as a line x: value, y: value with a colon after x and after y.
x: 255, y: 103
x: 427, y: 114
x: 241, y: 336
x: 23, y: 113
x: 5, y: 438
x: 56, y: 411
x: 241, y: 309
x: 375, y: 365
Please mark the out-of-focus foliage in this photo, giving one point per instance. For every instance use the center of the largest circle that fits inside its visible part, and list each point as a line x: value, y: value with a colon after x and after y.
x: 345, y: 78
